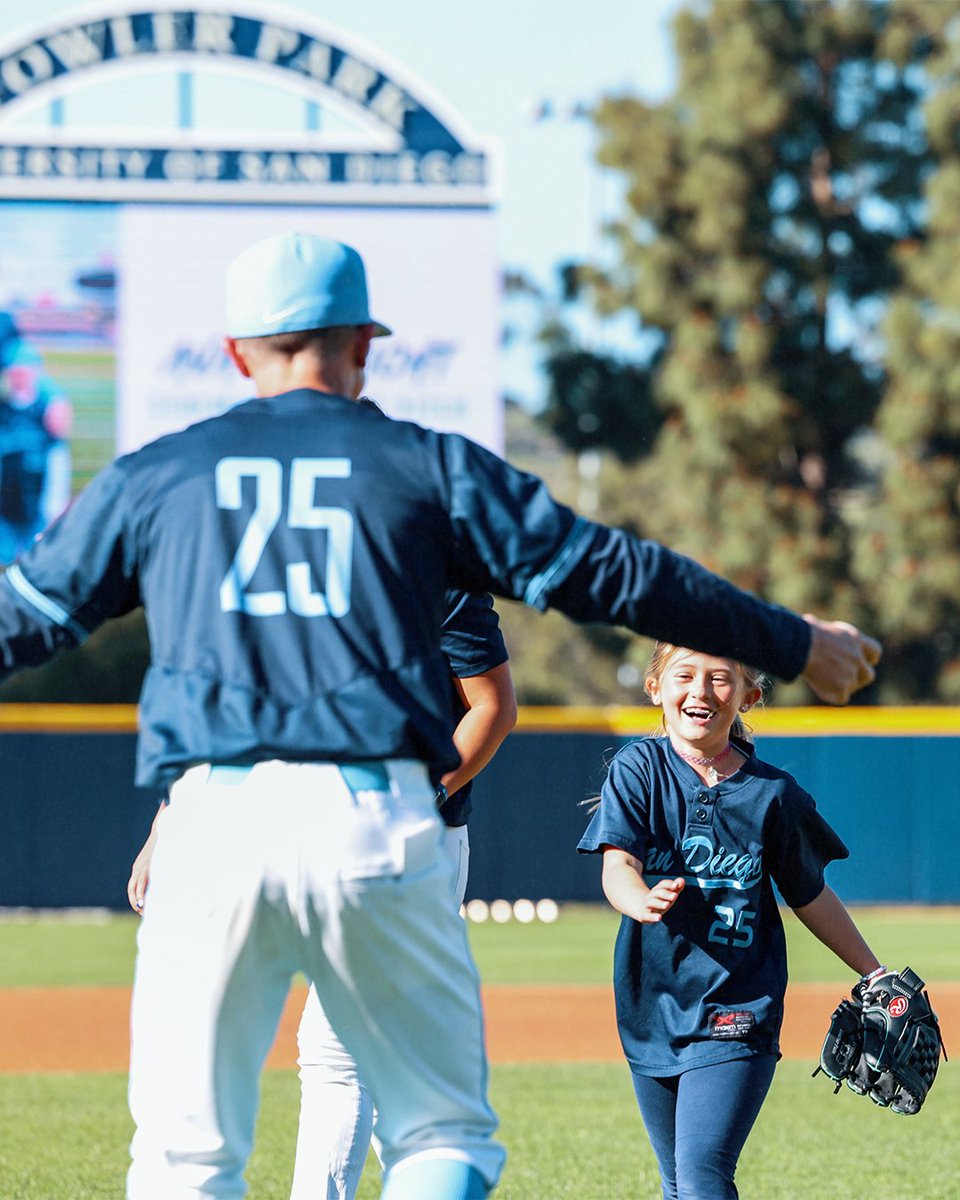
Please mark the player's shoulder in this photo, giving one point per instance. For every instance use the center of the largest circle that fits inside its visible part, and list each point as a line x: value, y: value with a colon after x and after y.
x: 636, y: 774
x: 394, y: 428
x: 780, y: 785
x: 186, y: 446
x: 400, y: 448
x: 173, y: 443
x: 154, y: 470
x: 762, y: 767
x: 458, y: 457
x: 646, y: 754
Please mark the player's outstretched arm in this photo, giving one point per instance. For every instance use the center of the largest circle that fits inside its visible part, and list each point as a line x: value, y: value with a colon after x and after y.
x: 841, y: 661
x: 629, y: 893
x: 519, y: 542
x: 829, y: 922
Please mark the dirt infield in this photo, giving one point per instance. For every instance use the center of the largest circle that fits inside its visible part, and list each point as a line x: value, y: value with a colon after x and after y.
x: 86, y: 1029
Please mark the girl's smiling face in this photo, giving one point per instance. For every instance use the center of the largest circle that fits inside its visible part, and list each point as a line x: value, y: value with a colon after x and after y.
x: 701, y: 696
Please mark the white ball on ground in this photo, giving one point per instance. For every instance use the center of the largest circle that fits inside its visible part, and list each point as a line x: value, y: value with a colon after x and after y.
x: 547, y: 911
x: 501, y: 911
x: 525, y: 911
x: 478, y: 910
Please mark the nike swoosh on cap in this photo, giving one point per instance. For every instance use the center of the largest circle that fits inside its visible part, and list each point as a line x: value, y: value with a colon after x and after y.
x: 279, y: 313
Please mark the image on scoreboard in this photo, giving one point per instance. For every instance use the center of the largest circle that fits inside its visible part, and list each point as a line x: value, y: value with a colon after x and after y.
x: 58, y: 285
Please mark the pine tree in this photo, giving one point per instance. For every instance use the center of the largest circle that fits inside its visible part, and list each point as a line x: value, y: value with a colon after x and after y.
x: 908, y: 543
x: 764, y: 203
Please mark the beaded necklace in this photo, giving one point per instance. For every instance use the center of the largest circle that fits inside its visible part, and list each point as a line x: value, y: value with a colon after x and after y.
x: 709, y: 762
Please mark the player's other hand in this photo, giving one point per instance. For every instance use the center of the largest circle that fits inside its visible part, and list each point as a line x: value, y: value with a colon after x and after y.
x: 140, y: 871
x: 139, y: 878
x: 659, y: 900
x: 841, y: 659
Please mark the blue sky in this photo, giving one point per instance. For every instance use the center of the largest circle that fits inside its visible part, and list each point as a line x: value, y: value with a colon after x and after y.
x: 493, y: 62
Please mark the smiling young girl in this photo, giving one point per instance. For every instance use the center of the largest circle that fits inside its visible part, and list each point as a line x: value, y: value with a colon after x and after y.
x: 695, y: 830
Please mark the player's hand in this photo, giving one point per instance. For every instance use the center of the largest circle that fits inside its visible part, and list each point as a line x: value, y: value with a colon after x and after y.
x: 659, y: 900
x: 841, y: 659
x: 140, y: 871
x: 140, y: 878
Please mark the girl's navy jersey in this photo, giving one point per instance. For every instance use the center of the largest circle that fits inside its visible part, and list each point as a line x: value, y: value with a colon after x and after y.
x: 707, y: 982
x: 293, y: 555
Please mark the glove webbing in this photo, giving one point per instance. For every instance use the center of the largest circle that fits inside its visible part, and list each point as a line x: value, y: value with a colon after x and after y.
x: 843, y: 1044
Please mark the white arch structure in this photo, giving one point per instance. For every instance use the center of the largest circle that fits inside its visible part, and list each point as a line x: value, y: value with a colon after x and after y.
x: 409, y: 146
x: 393, y: 171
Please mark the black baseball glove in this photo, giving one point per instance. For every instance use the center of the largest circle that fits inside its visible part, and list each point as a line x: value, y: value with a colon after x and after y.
x: 886, y: 1043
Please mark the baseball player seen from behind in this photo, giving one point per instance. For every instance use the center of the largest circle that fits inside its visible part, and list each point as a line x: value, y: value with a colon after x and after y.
x: 336, y: 1109
x: 292, y: 556
x: 694, y: 830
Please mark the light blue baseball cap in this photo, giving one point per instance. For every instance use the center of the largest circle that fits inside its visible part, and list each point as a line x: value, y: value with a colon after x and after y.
x: 296, y: 281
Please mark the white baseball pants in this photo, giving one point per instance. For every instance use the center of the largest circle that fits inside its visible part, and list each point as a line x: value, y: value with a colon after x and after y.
x: 336, y: 1108
x: 260, y: 872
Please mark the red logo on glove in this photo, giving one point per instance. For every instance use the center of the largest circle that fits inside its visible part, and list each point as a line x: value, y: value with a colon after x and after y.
x: 898, y: 1006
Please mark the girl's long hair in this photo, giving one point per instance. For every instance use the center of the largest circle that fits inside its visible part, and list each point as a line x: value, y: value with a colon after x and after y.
x: 663, y: 652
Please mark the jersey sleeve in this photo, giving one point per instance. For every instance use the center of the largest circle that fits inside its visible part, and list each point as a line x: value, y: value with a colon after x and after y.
x: 613, y: 575
x: 515, y: 540
x: 622, y: 817
x: 470, y: 636
x: 803, y: 846
x: 81, y: 571
x: 508, y: 529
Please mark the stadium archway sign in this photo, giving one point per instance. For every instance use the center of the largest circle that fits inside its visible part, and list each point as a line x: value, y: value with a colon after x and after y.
x: 406, y: 150
x: 115, y: 233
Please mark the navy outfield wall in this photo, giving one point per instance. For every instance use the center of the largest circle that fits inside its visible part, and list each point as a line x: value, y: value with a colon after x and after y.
x: 893, y: 800
x: 71, y: 820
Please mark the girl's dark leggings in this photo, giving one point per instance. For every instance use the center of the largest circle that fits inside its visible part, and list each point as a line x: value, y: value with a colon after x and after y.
x: 697, y: 1123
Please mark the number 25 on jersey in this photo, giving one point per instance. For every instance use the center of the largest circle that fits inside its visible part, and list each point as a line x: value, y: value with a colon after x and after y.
x: 302, y: 513
x: 732, y: 928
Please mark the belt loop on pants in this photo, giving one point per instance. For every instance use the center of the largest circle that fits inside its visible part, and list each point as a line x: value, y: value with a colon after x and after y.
x: 365, y: 776
x: 226, y: 775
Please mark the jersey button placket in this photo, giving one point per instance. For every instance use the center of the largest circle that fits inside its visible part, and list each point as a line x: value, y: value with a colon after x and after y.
x: 703, y: 812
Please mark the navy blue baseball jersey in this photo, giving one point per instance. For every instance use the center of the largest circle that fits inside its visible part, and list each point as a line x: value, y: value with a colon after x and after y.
x: 472, y: 643
x: 706, y: 983
x: 292, y: 556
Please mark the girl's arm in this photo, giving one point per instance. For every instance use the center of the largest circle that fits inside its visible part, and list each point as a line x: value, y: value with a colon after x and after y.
x: 625, y: 888
x: 829, y: 921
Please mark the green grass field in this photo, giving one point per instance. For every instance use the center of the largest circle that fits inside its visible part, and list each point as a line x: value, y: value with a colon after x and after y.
x: 572, y: 1129
x: 39, y: 950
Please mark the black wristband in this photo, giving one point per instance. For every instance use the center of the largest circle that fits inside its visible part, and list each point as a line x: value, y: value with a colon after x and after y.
x: 441, y: 797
